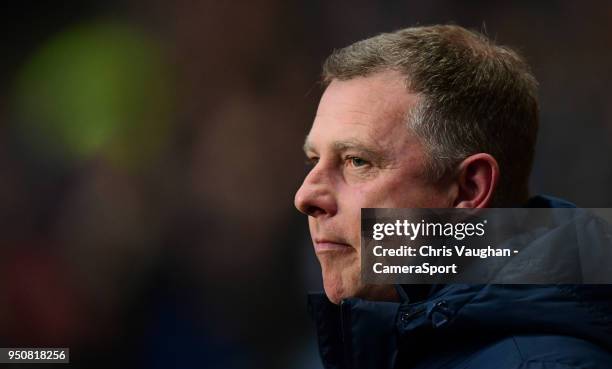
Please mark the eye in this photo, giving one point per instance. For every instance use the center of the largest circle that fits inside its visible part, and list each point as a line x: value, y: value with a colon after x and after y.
x: 357, y: 161
x: 309, y: 163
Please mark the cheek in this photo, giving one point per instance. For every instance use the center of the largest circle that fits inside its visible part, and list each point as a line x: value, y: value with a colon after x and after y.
x: 387, y: 193
x: 423, y: 196
x: 350, y: 202
x: 400, y: 190
x: 312, y: 226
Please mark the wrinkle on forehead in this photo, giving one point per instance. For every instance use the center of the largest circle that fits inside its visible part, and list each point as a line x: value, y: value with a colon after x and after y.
x: 372, y: 109
x: 382, y: 94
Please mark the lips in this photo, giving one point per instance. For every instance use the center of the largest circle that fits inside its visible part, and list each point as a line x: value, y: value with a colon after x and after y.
x: 324, y: 245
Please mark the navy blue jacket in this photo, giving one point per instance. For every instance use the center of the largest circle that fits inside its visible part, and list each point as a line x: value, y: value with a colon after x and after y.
x: 470, y: 326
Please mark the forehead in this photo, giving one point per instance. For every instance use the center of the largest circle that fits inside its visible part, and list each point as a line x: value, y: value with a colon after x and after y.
x: 369, y: 109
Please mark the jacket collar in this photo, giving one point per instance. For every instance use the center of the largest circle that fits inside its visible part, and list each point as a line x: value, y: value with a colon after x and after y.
x: 356, y: 334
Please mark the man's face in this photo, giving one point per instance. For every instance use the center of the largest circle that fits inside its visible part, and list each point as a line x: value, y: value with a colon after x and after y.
x: 364, y: 157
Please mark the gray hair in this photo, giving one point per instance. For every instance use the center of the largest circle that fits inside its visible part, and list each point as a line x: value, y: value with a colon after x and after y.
x: 474, y: 96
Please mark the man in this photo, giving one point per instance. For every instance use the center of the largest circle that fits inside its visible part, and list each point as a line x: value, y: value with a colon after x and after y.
x: 432, y: 117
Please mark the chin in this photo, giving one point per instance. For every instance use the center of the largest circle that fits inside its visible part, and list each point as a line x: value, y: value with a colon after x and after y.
x: 334, y: 293
x: 341, y: 275
x: 340, y: 286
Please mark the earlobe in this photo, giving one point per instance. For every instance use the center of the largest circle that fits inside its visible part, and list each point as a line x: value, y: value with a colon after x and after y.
x: 477, y: 181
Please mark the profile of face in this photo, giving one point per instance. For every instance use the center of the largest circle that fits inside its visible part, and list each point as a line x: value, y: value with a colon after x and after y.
x: 363, y: 156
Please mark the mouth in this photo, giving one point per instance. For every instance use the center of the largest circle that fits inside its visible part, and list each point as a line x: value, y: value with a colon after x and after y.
x: 324, y: 245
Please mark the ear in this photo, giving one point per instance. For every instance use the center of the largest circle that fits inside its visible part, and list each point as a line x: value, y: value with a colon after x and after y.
x: 477, y: 181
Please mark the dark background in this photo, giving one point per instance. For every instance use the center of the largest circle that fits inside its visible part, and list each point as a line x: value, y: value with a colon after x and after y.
x: 150, y: 150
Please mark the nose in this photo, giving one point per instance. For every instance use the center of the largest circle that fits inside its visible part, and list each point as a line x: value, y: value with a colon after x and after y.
x: 316, y: 197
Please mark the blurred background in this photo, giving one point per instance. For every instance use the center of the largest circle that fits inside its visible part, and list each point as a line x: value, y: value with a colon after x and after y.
x: 150, y: 151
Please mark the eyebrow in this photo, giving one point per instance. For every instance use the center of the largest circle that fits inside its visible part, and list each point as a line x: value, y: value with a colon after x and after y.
x: 373, y: 153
